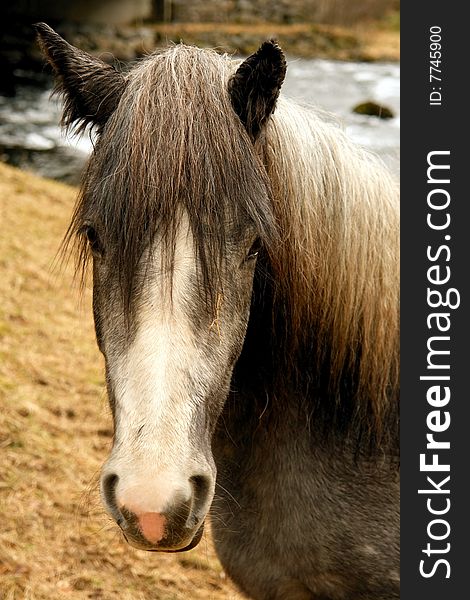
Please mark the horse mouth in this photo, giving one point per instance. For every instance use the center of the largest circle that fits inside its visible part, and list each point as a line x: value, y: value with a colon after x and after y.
x: 165, y: 546
x: 195, y: 541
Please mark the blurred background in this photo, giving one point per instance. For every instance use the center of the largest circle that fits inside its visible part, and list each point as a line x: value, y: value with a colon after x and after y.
x: 55, y: 426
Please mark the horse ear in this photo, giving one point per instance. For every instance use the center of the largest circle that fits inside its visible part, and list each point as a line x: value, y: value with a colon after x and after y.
x: 255, y: 86
x: 91, y: 89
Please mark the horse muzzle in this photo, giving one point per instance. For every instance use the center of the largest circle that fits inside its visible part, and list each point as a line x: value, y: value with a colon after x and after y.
x: 176, y: 528
x: 157, y: 532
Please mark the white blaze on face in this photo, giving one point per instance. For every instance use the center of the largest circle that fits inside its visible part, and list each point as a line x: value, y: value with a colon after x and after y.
x: 153, y: 454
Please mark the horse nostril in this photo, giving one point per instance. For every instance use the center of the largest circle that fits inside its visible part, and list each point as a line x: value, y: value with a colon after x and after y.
x: 109, y: 493
x: 109, y: 487
x: 200, y: 485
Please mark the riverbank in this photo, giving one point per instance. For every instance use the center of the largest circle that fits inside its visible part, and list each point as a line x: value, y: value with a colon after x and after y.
x: 372, y: 41
x: 21, y: 60
x: 367, y: 41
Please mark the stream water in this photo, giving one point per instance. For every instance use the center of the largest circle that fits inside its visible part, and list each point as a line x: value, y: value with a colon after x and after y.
x: 30, y: 136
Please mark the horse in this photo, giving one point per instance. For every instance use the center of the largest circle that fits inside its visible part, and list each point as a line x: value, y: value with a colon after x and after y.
x: 244, y: 255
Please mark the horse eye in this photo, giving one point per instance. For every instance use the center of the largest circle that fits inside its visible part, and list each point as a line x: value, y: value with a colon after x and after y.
x: 254, y: 250
x: 93, y: 239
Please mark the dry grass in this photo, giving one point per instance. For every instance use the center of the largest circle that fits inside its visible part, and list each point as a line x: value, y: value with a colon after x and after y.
x: 55, y: 429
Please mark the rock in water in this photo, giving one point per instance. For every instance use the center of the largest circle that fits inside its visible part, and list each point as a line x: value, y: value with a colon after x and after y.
x: 374, y: 110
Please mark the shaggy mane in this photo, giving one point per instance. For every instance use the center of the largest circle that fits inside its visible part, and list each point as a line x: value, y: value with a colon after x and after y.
x: 337, y: 271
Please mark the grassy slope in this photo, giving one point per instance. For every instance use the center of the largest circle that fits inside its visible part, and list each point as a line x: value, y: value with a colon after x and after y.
x: 55, y: 429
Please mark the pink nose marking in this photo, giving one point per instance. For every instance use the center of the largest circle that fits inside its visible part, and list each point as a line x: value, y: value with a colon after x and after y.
x: 152, y: 525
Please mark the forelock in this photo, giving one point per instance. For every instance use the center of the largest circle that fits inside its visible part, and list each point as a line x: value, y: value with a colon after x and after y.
x: 174, y: 145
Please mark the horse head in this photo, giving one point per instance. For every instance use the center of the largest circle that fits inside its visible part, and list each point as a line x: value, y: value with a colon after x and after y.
x: 175, y: 216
